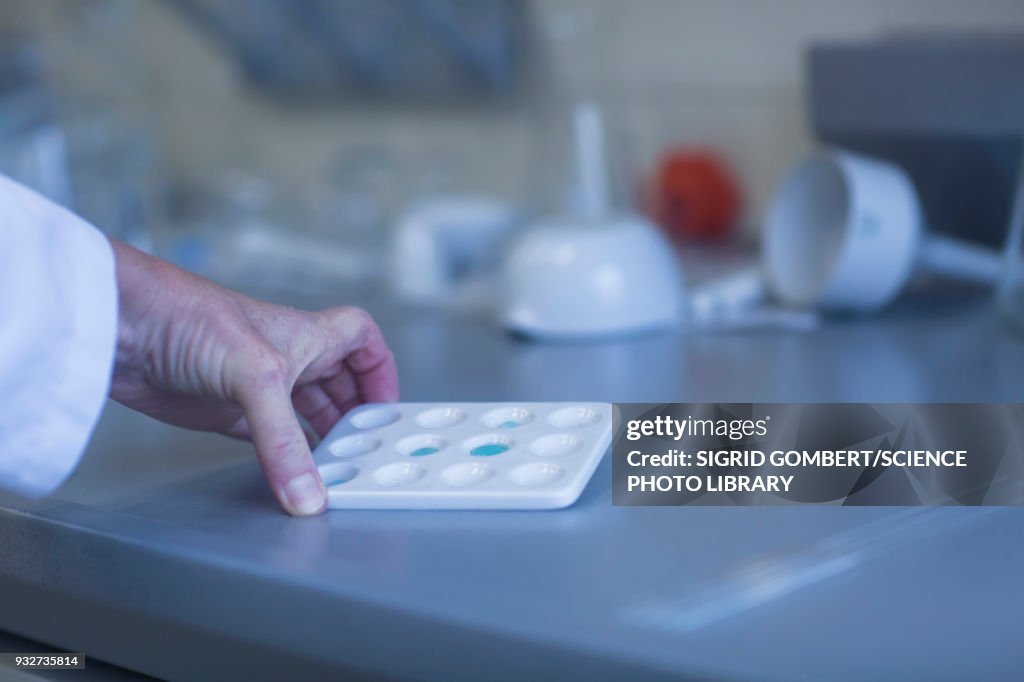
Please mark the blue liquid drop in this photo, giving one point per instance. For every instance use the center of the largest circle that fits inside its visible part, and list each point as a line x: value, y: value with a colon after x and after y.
x: 508, y: 425
x: 489, y: 449
x: 423, y: 451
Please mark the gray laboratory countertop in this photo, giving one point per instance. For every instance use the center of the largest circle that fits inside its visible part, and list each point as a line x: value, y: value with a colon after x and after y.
x: 166, y: 554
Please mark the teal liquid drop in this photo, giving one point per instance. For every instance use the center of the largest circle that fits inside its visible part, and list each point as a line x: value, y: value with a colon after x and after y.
x: 489, y: 449
x: 508, y: 425
x: 427, y: 450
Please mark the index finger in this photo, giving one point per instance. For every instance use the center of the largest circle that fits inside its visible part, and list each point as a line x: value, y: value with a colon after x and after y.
x: 368, y: 358
x: 374, y: 369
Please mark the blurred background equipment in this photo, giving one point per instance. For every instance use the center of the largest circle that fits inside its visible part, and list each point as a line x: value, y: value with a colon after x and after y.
x: 423, y: 48
x: 694, y: 196
x: 447, y: 251
x: 284, y: 146
x: 947, y: 108
x: 846, y: 233
x: 32, y: 143
x: 594, y: 272
x: 93, y: 162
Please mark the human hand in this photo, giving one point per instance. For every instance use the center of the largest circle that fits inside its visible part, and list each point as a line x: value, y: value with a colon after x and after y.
x: 197, y: 355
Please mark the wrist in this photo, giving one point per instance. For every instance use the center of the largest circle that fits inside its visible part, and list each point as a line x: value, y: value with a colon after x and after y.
x: 137, y: 291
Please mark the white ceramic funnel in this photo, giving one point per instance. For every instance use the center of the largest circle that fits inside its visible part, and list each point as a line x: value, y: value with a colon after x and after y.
x: 846, y: 232
x: 591, y: 273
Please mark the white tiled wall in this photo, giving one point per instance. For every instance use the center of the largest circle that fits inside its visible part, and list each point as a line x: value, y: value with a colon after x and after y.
x: 720, y: 73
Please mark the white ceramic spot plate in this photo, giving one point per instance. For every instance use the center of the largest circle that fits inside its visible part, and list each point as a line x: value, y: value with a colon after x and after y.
x: 463, y: 455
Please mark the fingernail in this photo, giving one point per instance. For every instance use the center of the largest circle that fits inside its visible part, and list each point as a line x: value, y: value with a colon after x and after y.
x: 305, y: 494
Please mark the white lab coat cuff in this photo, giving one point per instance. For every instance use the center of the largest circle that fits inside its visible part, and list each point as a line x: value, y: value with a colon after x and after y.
x: 58, y: 297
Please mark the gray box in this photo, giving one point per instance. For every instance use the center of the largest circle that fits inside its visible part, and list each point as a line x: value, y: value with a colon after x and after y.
x: 947, y: 108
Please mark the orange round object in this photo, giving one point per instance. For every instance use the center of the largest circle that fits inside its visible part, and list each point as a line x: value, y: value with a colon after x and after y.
x: 694, y: 196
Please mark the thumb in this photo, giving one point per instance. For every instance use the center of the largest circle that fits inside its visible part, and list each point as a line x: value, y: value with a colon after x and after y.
x: 283, y: 451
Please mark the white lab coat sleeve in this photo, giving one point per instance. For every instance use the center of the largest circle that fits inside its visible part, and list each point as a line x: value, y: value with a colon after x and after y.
x: 58, y: 330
